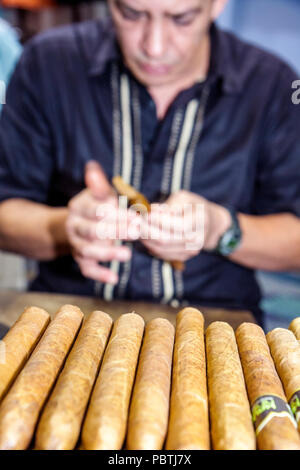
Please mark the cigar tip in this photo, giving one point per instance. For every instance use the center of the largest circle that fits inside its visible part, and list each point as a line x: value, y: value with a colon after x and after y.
x: 190, y: 311
x: 219, y: 324
x: 294, y: 321
x: 160, y: 322
x: 100, y: 313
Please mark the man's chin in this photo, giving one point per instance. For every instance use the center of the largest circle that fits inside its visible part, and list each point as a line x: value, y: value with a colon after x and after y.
x: 152, y: 78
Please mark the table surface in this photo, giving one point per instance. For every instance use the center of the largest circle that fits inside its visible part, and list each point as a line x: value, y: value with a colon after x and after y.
x: 12, y: 304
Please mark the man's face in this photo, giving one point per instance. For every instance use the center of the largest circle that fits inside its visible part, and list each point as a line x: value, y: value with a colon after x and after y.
x: 161, y: 39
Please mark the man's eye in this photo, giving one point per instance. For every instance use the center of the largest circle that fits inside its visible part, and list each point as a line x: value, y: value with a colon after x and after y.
x: 130, y: 14
x: 183, y: 20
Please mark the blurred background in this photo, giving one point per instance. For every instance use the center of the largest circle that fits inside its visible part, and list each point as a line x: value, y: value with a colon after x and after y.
x: 271, y: 24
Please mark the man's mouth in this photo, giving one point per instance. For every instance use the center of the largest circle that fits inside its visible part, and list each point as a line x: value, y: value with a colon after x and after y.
x: 155, y: 69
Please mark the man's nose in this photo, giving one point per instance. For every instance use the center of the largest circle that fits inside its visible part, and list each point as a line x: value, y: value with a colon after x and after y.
x: 154, y: 40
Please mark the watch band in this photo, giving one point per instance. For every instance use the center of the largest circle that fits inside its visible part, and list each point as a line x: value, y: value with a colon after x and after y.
x: 231, y: 239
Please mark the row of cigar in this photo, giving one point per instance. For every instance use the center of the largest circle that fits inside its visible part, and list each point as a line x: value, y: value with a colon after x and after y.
x: 90, y: 383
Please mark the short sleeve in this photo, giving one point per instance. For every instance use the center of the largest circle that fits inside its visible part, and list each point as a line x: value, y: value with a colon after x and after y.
x: 278, y: 173
x: 26, y: 151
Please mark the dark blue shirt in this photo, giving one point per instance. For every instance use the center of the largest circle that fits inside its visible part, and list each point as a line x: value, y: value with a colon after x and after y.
x: 71, y: 99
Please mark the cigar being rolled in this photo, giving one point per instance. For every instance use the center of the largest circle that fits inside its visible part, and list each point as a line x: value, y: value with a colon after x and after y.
x: 276, y: 428
x: 285, y: 350
x: 230, y: 416
x: 136, y: 198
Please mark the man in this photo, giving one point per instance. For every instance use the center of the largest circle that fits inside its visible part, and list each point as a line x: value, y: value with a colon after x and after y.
x: 187, y: 114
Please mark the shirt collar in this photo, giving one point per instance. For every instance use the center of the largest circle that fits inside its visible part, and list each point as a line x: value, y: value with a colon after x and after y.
x: 223, y: 67
x: 223, y: 62
x: 107, y: 52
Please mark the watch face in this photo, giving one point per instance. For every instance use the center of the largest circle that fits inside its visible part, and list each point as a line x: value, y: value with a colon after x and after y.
x: 231, y: 238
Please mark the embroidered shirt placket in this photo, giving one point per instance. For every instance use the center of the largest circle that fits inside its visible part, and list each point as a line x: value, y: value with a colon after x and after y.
x: 126, y: 166
x: 137, y: 174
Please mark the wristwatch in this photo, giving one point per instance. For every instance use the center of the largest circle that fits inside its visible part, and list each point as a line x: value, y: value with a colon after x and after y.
x: 231, y: 239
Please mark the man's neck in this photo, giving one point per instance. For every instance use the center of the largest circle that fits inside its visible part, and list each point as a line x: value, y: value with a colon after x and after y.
x: 164, y: 95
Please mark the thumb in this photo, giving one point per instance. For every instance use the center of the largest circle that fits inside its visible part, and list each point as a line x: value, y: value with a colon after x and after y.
x: 96, y: 180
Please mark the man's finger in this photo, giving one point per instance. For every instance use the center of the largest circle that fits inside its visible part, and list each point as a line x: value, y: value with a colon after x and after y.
x: 96, y: 251
x: 190, y: 219
x: 96, y: 180
x: 178, y: 252
x: 89, y: 207
x: 92, y: 270
x: 107, y: 253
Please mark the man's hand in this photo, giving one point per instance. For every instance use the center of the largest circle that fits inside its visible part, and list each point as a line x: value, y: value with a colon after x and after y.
x: 186, y: 224
x: 93, y: 225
